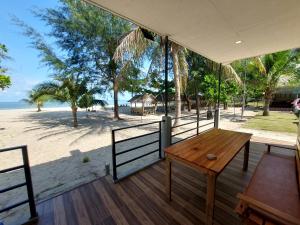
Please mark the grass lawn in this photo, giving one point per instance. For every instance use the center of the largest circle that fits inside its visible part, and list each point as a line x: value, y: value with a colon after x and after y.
x: 277, y: 121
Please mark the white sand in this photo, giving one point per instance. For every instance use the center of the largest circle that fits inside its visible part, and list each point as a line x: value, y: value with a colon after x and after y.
x: 56, y: 149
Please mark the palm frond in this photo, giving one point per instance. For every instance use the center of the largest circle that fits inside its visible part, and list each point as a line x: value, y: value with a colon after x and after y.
x: 230, y: 73
x: 260, y: 65
x: 133, y: 45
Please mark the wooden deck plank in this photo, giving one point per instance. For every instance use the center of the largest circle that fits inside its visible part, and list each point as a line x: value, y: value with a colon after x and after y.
x: 141, y: 199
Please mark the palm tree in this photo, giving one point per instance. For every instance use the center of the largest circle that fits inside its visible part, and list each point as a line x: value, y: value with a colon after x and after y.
x: 272, y: 67
x: 68, y: 89
x: 35, y: 99
x: 180, y: 71
x: 134, y: 46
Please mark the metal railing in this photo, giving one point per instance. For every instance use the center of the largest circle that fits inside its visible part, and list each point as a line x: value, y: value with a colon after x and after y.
x: 197, y: 115
x: 27, y: 183
x: 116, y: 153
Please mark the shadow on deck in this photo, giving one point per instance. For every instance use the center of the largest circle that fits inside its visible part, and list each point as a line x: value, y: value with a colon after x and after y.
x: 141, y: 198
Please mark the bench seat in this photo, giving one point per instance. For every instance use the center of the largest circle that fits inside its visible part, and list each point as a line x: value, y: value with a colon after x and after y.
x: 273, y: 189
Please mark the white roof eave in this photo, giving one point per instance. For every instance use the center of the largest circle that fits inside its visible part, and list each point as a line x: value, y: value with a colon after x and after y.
x: 211, y: 27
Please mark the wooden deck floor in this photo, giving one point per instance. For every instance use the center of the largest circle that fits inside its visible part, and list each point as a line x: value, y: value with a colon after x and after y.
x: 141, y: 199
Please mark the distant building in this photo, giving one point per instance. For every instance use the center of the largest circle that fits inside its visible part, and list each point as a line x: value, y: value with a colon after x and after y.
x: 284, y: 96
x: 143, y: 104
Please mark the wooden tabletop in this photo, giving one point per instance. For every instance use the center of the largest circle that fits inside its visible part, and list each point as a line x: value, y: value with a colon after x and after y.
x: 224, y: 144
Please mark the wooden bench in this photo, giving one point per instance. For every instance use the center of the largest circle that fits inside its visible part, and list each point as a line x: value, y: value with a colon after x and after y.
x: 272, y: 196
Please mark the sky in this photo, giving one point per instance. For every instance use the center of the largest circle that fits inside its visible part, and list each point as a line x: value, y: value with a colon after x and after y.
x: 24, y: 67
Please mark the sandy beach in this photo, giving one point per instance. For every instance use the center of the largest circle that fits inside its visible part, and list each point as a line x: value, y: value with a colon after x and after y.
x: 57, y: 150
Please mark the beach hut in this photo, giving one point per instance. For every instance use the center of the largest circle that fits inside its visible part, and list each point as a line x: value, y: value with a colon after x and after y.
x: 143, y: 104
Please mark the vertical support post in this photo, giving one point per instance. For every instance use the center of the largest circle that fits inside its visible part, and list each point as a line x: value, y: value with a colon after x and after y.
x: 219, y: 84
x: 246, y: 155
x: 32, y: 208
x: 114, y: 163
x: 197, y: 109
x: 217, y: 110
x: 269, y: 148
x: 197, y: 120
x: 166, y: 74
x: 244, y: 92
x: 217, y: 118
x: 166, y: 139
x: 159, y: 142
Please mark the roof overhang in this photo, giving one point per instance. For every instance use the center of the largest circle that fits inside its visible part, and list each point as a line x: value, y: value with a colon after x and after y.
x: 212, y: 27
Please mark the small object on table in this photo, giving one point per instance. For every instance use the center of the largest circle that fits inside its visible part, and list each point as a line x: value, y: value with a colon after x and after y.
x: 211, y: 156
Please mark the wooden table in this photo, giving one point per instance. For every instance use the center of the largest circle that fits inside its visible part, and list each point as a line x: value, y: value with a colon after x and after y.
x: 224, y: 144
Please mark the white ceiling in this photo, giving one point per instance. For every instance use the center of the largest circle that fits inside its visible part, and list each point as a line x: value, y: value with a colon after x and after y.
x: 211, y: 27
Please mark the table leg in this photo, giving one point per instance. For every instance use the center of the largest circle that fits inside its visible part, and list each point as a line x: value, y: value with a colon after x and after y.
x: 246, y: 156
x: 210, y: 197
x: 168, y: 178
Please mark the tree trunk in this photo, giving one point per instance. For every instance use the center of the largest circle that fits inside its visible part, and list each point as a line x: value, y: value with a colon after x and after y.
x: 188, y: 101
x: 116, y: 101
x: 74, y: 114
x: 267, y: 107
x: 197, y: 103
x: 39, y: 107
x: 225, y: 105
x: 268, y: 97
x: 209, y: 114
x: 174, y: 52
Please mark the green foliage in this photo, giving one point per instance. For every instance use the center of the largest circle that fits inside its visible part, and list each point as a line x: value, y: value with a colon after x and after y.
x: 35, y: 98
x: 86, y: 101
x: 209, y: 87
x: 271, y: 68
x: 5, y: 80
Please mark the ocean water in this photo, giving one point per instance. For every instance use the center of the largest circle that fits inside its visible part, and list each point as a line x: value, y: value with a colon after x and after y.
x: 24, y: 105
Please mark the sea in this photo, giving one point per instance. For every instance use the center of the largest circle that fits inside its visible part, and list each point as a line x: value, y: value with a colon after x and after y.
x: 24, y: 105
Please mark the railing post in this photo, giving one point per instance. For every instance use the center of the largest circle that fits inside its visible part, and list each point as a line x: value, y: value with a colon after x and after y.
x: 217, y: 118
x: 32, y: 207
x: 159, y: 141
x: 198, y: 122
x: 114, y: 163
x: 166, y: 133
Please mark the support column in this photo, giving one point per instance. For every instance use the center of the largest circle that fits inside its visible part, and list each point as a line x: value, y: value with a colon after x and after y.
x: 166, y: 127
x: 217, y: 118
x: 166, y: 74
x: 217, y: 110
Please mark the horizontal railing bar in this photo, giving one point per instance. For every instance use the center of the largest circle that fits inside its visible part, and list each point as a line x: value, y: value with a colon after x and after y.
x: 128, y: 139
x: 136, y: 170
x: 185, y: 124
x: 140, y: 146
x: 206, y: 124
x: 136, y: 158
x: 14, y: 206
x: 12, y: 169
x: 185, y: 139
x: 191, y: 115
x: 12, y: 187
x: 184, y: 132
x: 12, y: 148
x: 138, y: 125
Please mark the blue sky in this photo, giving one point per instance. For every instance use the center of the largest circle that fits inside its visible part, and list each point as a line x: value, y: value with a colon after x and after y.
x: 24, y: 67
